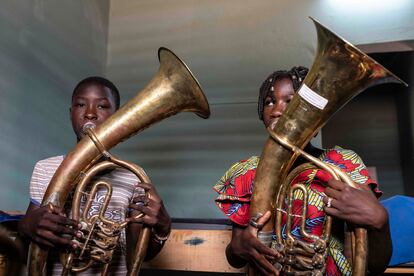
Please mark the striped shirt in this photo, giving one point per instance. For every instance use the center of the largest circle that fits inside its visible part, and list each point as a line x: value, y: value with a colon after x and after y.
x: 122, y: 182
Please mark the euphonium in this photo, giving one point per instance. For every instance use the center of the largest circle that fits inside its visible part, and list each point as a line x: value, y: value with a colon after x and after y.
x: 340, y: 71
x: 11, y: 254
x: 172, y: 90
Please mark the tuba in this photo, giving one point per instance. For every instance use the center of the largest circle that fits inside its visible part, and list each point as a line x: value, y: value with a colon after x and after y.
x: 172, y: 90
x: 340, y: 72
x: 11, y: 253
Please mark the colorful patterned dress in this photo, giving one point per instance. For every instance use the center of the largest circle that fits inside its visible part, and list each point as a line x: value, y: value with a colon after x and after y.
x: 236, y: 185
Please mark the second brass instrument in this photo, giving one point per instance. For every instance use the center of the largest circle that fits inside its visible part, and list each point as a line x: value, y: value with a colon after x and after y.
x: 340, y: 72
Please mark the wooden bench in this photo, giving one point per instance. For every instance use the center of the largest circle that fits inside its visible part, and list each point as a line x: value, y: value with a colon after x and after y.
x: 199, y: 247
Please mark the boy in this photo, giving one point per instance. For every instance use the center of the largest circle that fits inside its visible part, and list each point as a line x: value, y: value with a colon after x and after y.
x: 94, y: 99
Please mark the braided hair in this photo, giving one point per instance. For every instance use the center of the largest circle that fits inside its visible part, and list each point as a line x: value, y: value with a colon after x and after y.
x: 297, y: 74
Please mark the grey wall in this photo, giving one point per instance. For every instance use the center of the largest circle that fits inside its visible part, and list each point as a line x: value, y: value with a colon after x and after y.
x: 45, y: 48
x: 231, y: 46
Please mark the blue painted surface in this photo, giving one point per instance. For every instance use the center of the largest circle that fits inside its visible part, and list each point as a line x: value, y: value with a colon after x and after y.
x: 194, y: 241
x: 7, y: 218
x: 401, y: 210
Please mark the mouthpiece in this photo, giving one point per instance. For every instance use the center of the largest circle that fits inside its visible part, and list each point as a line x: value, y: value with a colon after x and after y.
x: 88, y: 125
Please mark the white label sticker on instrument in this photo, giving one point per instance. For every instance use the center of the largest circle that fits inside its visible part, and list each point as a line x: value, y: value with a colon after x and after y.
x: 312, y: 97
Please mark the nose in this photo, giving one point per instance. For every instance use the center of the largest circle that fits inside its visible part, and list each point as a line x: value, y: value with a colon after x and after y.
x: 91, y: 113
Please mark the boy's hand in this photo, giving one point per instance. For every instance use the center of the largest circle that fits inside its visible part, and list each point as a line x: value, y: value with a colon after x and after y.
x: 153, y: 211
x: 48, y: 226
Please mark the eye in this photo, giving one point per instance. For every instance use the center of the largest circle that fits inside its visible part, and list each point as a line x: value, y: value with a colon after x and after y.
x: 103, y: 106
x: 269, y: 102
x: 289, y: 99
x: 79, y: 104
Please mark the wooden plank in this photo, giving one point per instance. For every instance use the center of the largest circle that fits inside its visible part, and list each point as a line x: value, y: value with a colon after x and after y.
x: 195, y: 250
x: 402, y: 270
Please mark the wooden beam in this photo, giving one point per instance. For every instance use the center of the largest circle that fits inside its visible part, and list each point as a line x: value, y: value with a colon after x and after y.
x: 400, y: 270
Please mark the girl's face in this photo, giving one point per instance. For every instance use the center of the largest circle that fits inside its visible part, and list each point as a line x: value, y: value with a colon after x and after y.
x: 277, y: 100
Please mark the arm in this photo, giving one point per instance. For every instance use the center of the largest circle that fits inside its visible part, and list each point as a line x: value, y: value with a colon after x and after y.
x: 155, y: 216
x: 379, y: 253
x: 244, y: 248
x: 361, y: 207
x: 234, y: 189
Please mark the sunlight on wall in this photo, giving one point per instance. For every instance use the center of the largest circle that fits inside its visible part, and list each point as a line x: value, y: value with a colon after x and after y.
x: 362, y: 6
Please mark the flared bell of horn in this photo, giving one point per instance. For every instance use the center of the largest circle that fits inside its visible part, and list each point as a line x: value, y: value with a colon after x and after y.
x: 340, y: 72
x: 172, y: 90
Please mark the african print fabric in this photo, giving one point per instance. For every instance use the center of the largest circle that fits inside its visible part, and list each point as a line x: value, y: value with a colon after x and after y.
x: 235, y: 189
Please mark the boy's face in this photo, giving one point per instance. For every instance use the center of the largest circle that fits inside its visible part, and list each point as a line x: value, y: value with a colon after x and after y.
x: 91, y: 103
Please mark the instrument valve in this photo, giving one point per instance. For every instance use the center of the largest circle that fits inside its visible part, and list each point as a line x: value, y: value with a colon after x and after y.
x: 279, y: 247
x: 319, y: 246
x: 84, y: 225
x: 290, y: 260
x: 318, y: 261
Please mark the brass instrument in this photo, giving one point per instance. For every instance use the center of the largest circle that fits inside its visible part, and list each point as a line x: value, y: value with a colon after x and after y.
x: 340, y: 71
x: 11, y: 254
x: 172, y: 90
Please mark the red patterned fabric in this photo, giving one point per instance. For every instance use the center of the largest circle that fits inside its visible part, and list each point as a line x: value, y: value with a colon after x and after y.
x: 235, y: 189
